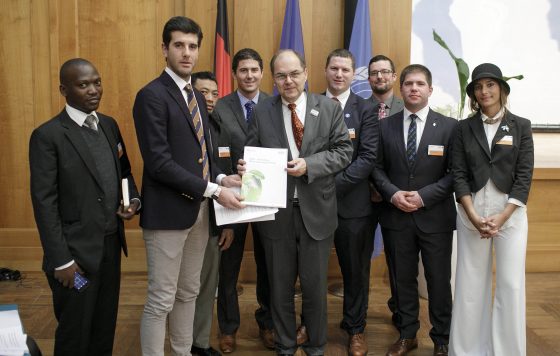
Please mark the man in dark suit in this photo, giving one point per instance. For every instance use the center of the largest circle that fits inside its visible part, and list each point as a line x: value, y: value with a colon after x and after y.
x: 298, y: 241
x: 234, y: 111
x: 77, y: 161
x: 220, y: 238
x: 172, y: 129
x: 354, y: 236
x: 413, y: 175
x: 382, y: 76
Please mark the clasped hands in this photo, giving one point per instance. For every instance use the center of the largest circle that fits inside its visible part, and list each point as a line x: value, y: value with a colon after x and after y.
x: 488, y: 227
x: 407, y: 201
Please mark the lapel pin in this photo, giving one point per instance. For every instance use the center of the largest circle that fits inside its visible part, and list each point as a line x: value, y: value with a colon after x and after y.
x: 346, y: 115
x: 434, y: 124
x: 505, y: 128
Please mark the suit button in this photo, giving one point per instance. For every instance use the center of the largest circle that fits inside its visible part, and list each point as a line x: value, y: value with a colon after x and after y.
x: 99, y: 200
x: 200, y: 160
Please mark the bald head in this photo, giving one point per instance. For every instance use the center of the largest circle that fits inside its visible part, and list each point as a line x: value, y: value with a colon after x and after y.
x: 80, y: 84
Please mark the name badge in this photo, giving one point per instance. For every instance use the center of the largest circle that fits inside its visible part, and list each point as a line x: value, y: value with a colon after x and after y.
x: 314, y: 112
x: 435, y: 150
x: 119, y: 149
x: 223, y: 152
x: 352, y: 133
x: 506, y: 140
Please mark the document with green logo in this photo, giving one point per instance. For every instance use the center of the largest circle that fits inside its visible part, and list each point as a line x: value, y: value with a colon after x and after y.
x: 265, y: 180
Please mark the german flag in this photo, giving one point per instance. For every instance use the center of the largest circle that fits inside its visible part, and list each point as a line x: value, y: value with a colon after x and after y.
x: 222, y: 58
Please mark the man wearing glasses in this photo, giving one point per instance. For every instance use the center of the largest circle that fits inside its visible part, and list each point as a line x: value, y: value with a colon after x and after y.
x: 382, y: 76
x: 298, y: 241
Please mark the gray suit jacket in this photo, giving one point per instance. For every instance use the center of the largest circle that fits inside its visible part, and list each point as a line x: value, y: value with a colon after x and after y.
x: 326, y: 148
x: 230, y: 114
x: 396, y: 105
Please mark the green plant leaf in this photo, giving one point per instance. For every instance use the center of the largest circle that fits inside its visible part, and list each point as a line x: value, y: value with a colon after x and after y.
x: 462, y: 71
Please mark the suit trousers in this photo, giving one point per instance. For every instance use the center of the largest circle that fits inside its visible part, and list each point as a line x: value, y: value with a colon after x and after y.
x: 174, y: 259
x: 435, y: 249
x: 478, y: 328
x: 287, y: 258
x: 203, y: 313
x: 354, y: 245
x: 230, y: 264
x: 87, y: 319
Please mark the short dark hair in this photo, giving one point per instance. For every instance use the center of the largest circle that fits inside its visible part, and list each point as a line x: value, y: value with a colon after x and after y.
x: 203, y: 76
x: 343, y: 53
x: 416, y: 68
x: 285, y: 50
x: 246, y: 53
x: 381, y: 57
x: 183, y: 24
x: 71, y: 63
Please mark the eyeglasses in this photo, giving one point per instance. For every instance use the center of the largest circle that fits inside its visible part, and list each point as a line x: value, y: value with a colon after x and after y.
x: 383, y: 72
x: 281, y: 77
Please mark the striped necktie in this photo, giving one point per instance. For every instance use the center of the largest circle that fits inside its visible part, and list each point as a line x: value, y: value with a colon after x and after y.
x: 197, y: 122
x: 411, y: 141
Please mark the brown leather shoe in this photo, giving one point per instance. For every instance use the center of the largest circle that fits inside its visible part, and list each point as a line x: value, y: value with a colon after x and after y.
x: 227, y: 343
x: 440, y: 350
x: 402, y: 347
x: 357, y: 345
x: 267, y: 337
x: 301, y: 336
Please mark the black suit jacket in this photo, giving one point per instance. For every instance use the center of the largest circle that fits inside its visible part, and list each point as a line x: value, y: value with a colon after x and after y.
x: 352, y: 187
x: 230, y: 114
x: 172, y: 183
x: 67, y: 194
x: 431, y: 176
x: 509, y: 166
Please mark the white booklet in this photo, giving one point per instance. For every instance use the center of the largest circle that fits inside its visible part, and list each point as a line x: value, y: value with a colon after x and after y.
x: 125, y: 194
x: 265, y: 180
x: 225, y: 216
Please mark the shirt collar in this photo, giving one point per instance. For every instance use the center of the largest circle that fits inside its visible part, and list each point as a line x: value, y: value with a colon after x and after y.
x: 243, y: 100
x: 342, y: 98
x: 181, y: 83
x: 78, y: 116
x: 499, y: 114
x: 422, y: 113
x: 299, y: 100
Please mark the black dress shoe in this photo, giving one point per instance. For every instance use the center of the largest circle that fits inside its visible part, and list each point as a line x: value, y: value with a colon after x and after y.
x: 440, y: 350
x: 204, y: 352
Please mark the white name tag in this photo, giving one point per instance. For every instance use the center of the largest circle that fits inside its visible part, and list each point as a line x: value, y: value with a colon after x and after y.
x: 435, y: 150
x: 223, y: 152
x: 314, y: 112
x: 506, y: 140
x: 352, y: 133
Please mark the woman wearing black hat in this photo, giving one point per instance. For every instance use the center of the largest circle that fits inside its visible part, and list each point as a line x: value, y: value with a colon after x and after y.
x: 492, y: 167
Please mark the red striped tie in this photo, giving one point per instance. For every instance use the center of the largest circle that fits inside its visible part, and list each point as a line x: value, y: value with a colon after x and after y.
x: 197, y: 122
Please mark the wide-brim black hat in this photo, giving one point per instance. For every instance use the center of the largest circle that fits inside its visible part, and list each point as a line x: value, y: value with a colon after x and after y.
x: 486, y: 70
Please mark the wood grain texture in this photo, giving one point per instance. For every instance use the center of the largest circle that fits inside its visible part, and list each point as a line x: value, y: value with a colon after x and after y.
x: 34, y: 299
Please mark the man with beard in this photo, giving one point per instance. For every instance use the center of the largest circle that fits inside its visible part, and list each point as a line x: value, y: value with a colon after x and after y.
x: 382, y: 76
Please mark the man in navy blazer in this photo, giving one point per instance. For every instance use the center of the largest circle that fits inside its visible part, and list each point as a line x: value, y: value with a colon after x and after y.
x: 172, y: 128
x: 77, y: 161
x: 354, y: 236
x: 413, y: 174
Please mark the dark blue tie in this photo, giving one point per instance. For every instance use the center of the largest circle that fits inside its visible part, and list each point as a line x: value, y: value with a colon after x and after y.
x: 249, y: 107
x: 411, y: 141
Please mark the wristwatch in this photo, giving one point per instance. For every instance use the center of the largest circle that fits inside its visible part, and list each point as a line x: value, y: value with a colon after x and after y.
x: 216, y: 194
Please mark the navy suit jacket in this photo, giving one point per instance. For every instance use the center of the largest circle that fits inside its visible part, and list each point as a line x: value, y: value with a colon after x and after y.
x: 67, y: 192
x: 172, y: 183
x: 352, y: 187
x: 431, y: 175
x: 509, y: 166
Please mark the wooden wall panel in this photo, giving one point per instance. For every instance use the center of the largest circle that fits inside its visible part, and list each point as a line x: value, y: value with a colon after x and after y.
x: 123, y: 39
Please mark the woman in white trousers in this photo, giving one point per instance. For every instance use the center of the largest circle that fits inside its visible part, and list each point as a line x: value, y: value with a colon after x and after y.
x: 492, y: 167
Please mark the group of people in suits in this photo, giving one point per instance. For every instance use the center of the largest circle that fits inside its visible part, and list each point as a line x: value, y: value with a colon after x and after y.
x: 353, y: 163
